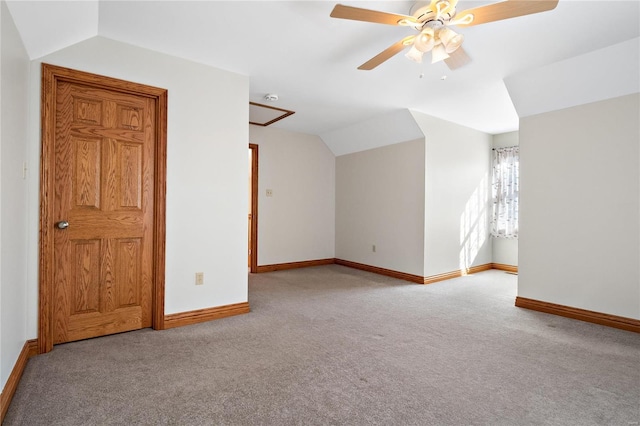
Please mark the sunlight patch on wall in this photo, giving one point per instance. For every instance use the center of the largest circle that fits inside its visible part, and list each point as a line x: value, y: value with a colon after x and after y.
x: 473, y: 225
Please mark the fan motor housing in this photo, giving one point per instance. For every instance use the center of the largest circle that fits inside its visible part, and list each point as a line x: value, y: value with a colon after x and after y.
x: 424, y: 13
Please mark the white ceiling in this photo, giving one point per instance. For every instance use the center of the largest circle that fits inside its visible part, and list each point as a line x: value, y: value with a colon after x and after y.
x: 294, y: 49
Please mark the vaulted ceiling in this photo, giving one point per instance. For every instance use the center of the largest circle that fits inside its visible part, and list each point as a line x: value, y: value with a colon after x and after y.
x: 294, y: 49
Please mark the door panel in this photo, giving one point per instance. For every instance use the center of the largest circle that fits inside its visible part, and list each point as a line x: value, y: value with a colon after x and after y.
x: 85, y: 261
x: 104, y: 187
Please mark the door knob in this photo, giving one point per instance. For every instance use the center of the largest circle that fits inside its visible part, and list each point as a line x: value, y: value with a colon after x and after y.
x: 63, y: 224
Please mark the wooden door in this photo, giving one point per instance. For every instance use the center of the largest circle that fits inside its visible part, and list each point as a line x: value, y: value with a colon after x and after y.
x: 102, y: 210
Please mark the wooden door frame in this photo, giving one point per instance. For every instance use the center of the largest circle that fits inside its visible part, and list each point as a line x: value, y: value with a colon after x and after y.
x: 254, y: 208
x: 51, y: 74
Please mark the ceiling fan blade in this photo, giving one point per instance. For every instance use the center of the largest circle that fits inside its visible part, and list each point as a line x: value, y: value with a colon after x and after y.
x: 457, y: 59
x: 366, y: 15
x: 505, y: 10
x: 386, y: 54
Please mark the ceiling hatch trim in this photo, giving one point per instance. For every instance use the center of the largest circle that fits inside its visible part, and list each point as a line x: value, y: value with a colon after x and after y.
x: 264, y: 115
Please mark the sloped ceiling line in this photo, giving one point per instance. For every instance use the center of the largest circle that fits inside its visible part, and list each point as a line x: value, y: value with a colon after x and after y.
x: 566, y: 84
x: 395, y: 127
x: 321, y: 82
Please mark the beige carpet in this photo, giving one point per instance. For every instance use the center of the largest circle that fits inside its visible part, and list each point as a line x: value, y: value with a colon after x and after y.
x: 337, y: 346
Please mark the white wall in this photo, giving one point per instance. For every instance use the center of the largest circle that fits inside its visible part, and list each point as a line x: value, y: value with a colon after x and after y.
x: 297, y: 222
x: 505, y: 140
x: 424, y: 203
x: 380, y: 200
x: 579, y: 207
x: 456, y: 232
x: 393, y: 127
x: 13, y: 195
x: 505, y: 250
x: 206, y: 169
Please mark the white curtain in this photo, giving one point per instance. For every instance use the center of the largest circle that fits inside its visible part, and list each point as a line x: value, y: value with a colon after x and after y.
x: 506, y: 177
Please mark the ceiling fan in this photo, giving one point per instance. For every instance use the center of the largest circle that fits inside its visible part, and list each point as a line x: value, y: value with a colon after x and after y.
x: 433, y: 21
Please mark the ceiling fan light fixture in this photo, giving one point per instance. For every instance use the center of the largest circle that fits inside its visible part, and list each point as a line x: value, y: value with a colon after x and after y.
x: 425, y: 41
x: 414, y: 54
x: 450, y: 39
x: 438, y: 54
x: 405, y: 22
x: 443, y: 7
x: 408, y: 41
x: 465, y: 20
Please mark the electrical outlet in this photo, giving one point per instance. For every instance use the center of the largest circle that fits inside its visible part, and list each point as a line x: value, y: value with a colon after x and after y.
x: 269, y: 192
x: 373, y: 248
x: 199, y: 278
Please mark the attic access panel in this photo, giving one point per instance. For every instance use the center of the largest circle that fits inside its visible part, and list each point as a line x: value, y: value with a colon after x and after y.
x: 263, y: 115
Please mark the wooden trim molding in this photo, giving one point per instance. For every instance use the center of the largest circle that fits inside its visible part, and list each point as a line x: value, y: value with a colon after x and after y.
x: 254, y: 208
x: 455, y: 274
x: 160, y: 209
x: 284, y: 113
x: 382, y: 271
x: 478, y: 268
x: 410, y: 277
x: 441, y: 277
x: 50, y: 76
x: 503, y: 267
x: 377, y: 270
x: 29, y: 349
x: 45, y: 327
x: 203, y: 315
x: 32, y: 347
x: 295, y: 265
x: 623, y: 323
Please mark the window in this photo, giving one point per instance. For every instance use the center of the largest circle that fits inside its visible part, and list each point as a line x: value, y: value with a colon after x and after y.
x: 505, y: 190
